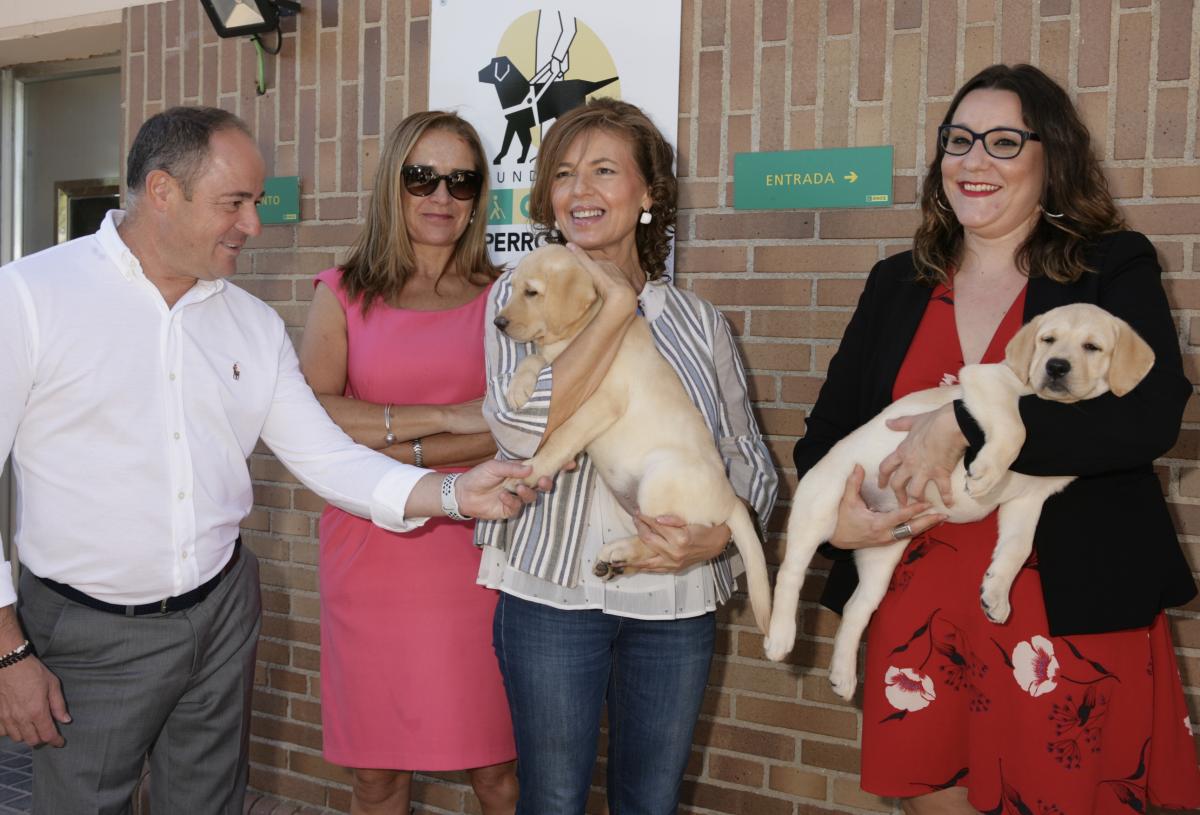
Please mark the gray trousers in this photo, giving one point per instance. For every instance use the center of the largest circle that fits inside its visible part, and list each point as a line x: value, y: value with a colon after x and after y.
x: 176, y: 686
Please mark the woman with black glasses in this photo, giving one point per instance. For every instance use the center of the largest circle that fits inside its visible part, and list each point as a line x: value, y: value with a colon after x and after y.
x: 1074, y: 705
x: 394, y: 350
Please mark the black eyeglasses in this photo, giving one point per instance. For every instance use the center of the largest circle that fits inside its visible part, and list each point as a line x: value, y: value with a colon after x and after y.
x: 422, y: 180
x: 999, y: 142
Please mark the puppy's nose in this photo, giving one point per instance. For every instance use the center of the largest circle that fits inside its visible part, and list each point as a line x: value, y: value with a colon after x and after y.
x: 1057, y: 367
x: 500, y: 322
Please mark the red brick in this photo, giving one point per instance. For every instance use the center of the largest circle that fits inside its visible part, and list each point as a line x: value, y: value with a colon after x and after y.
x: 1133, y: 78
x: 737, y: 138
x: 1095, y: 27
x: 978, y: 49
x: 798, y: 782
x: 839, y: 17
x: 839, y: 61
x: 1175, y: 39
x: 712, y: 22
x: 741, y: 59
x: 806, y: 25
x: 735, y: 801
x: 906, y: 14
x: 774, y: 20
x: 735, y: 770
x: 772, y: 106
x: 815, y: 258
x: 1170, y: 122
x: 1016, y: 29
x: 1171, y: 182
x: 872, y: 49
x: 801, y: 324
x: 708, y: 142
x: 842, y: 724
x: 754, y: 226
x: 941, y: 47
x: 830, y: 756
x: 1163, y: 219
x: 777, y: 356
x: 746, y: 292
x: 1055, y: 50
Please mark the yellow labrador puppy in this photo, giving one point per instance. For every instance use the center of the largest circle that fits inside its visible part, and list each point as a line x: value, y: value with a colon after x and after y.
x: 648, y: 441
x: 1068, y: 354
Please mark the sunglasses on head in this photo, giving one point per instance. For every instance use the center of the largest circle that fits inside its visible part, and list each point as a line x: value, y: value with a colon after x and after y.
x: 422, y: 180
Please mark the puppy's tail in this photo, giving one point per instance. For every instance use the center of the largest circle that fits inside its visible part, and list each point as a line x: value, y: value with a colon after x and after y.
x: 758, y: 585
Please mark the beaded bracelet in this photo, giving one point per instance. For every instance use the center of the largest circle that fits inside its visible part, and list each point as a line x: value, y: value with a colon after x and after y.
x: 16, y: 655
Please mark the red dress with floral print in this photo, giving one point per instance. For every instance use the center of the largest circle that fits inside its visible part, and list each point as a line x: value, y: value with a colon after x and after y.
x: 1030, y: 724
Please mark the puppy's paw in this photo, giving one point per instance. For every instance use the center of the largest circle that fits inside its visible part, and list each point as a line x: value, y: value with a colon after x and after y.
x: 843, y: 679
x: 993, y: 597
x: 780, y: 640
x: 519, y: 391
x: 606, y: 570
x: 982, y: 478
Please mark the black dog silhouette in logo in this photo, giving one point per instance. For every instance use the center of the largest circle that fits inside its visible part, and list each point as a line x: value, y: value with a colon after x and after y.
x: 518, y: 97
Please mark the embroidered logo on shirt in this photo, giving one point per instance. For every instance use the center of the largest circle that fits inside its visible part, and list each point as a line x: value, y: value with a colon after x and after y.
x: 947, y: 380
x: 237, y: 372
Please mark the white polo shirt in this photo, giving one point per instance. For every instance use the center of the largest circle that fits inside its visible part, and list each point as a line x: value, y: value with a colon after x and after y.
x: 130, y: 423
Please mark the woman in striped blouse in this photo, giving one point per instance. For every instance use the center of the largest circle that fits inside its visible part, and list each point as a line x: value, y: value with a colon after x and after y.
x: 568, y: 642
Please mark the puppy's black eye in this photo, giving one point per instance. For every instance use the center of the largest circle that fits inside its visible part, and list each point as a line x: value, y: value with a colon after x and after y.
x: 1048, y: 339
x: 1090, y: 346
x: 531, y: 293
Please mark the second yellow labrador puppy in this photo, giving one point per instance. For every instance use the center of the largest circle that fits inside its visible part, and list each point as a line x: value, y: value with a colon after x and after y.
x: 1068, y: 354
x: 648, y: 441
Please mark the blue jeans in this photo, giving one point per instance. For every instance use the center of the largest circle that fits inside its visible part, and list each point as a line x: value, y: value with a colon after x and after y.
x: 560, y: 666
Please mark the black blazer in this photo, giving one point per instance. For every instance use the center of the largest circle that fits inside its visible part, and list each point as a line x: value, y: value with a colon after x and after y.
x: 1107, y: 551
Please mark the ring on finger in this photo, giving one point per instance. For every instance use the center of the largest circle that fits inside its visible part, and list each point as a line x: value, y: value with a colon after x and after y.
x: 901, y: 531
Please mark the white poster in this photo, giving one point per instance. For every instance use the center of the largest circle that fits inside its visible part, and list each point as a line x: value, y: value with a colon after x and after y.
x: 510, y: 67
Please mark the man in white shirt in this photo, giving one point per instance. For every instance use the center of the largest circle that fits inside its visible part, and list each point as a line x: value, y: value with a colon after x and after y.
x: 134, y: 382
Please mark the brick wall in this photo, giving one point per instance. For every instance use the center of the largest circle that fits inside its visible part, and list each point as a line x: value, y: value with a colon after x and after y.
x: 775, y: 74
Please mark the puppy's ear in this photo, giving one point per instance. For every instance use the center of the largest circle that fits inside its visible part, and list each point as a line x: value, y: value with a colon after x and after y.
x: 1018, y: 354
x: 1132, y: 359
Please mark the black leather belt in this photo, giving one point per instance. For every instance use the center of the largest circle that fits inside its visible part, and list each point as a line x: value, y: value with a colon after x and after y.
x: 164, y: 606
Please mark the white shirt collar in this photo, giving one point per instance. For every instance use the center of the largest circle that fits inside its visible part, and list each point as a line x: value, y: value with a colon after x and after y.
x: 653, y: 298
x: 127, y: 262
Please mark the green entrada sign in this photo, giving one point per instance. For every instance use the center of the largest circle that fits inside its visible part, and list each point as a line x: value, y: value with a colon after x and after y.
x: 813, y: 179
x: 281, y: 200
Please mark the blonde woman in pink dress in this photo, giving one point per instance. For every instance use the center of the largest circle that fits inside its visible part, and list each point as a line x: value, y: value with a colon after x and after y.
x: 394, y: 350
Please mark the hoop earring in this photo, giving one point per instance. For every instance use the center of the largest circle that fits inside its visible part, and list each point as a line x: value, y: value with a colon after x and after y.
x: 937, y: 201
x: 645, y: 218
x: 1049, y: 214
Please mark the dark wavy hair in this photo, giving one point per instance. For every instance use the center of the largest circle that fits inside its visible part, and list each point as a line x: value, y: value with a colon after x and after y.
x: 1074, y: 186
x: 382, y: 258
x: 652, y: 155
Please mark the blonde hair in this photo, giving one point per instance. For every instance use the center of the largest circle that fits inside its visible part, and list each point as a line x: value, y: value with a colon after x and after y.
x: 382, y: 258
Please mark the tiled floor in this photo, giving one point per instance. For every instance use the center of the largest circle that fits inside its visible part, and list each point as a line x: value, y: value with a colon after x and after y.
x: 16, y: 777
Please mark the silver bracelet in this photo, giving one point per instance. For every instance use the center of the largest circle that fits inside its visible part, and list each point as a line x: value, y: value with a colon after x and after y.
x: 450, y: 500
x: 418, y: 453
x: 389, y: 437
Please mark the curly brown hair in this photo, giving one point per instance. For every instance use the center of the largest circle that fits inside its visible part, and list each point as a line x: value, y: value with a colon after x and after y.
x: 382, y: 259
x: 652, y: 154
x: 1074, y: 186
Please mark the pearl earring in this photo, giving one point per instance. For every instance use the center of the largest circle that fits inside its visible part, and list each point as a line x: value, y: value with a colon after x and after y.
x: 645, y: 217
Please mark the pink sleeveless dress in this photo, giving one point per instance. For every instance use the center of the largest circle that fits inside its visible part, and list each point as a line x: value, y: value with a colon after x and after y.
x: 408, y: 676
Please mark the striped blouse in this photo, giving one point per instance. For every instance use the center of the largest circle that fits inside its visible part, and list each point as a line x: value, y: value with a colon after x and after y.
x: 547, y: 542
